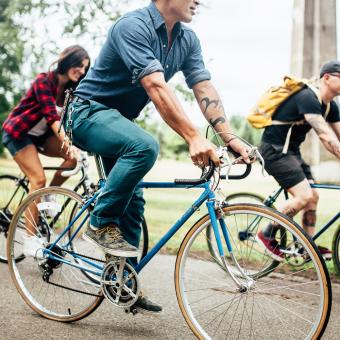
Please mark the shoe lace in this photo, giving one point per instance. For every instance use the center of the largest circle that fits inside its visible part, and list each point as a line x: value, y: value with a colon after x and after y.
x: 113, y: 233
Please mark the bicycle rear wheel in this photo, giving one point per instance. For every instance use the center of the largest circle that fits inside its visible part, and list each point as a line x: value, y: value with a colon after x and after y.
x: 56, y: 290
x: 285, y: 303
x: 12, y: 192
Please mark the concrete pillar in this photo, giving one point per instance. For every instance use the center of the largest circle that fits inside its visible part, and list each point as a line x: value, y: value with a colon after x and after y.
x: 313, y: 43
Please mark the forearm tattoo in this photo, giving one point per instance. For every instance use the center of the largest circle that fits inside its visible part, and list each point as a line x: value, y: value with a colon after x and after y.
x: 318, y: 123
x: 309, y: 218
x: 216, y: 121
x: 335, y: 147
x: 215, y: 103
x: 325, y: 133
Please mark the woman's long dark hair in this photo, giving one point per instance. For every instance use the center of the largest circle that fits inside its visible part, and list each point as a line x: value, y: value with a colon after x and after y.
x: 72, y: 56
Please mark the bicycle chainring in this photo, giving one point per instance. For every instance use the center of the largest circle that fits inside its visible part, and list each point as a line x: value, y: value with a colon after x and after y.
x: 121, y: 289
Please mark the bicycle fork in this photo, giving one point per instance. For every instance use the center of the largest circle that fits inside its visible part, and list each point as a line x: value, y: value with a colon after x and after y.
x: 242, y: 280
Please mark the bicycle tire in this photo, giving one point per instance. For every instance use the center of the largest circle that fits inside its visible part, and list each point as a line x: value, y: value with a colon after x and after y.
x: 336, y: 250
x: 12, y: 192
x: 38, y: 294
x: 244, y: 197
x: 203, y: 284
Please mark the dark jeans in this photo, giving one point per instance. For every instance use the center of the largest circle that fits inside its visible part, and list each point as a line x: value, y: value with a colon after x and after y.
x: 128, y: 154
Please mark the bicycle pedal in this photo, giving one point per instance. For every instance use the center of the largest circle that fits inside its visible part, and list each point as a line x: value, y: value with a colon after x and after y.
x: 132, y: 310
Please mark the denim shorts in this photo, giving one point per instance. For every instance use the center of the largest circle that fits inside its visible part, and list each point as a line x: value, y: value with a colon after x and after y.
x: 15, y: 145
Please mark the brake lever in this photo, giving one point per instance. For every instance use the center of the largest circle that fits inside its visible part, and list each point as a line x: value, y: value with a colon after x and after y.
x: 261, y: 160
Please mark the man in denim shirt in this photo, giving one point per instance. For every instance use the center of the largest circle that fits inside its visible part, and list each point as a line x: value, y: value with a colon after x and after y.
x: 143, y: 50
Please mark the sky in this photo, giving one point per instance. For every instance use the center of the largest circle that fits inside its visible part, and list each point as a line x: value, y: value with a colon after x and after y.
x: 246, y: 47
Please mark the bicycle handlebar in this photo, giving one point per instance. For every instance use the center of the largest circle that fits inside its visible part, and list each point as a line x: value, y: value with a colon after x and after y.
x: 79, y: 166
x: 244, y: 175
x: 205, y: 177
x: 253, y: 153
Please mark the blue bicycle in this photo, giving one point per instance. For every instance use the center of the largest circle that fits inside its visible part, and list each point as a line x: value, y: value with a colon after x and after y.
x: 269, y: 201
x: 68, y: 277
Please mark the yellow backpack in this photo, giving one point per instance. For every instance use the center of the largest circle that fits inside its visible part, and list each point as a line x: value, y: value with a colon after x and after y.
x: 261, y: 115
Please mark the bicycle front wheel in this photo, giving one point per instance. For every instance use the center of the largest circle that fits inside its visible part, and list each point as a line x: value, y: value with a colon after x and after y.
x: 285, y: 303
x: 244, y: 197
x: 51, y: 281
x: 12, y: 192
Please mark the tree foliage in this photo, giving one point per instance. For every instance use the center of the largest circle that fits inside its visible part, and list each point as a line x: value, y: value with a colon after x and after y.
x: 11, y: 55
x: 27, y: 40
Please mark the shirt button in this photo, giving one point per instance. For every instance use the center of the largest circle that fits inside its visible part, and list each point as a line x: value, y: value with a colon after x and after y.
x: 164, y: 46
x: 167, y: 66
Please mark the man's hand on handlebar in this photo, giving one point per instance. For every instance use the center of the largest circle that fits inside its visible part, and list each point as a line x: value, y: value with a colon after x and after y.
x: 244, y: 150
x: 202, y: 151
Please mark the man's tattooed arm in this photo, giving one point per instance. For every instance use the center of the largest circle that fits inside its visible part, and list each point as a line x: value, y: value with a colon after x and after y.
x: 213, y: 111
x: 212, y: 108
x: 325, y: 133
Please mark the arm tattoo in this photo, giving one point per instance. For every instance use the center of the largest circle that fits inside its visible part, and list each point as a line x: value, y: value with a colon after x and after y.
x: 334, y: 146
x: 217, y: 105
x: 216, y: 121
x: 318, y: 123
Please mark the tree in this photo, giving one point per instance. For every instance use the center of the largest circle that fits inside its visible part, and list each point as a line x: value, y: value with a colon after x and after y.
x: 11, y: 57
x: 83, y: 21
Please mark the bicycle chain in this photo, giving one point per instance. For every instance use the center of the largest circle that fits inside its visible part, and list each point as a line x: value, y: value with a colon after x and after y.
x: 73, y: 289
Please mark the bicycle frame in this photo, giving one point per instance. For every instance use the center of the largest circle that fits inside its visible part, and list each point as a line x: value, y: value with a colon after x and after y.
x: 207, y: 196
x: 270, y: 200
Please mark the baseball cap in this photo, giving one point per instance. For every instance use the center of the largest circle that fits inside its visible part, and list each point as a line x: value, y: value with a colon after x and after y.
x: 332, y: 66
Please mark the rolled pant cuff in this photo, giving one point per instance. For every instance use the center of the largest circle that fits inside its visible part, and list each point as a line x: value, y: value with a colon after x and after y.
x: 101, y: 222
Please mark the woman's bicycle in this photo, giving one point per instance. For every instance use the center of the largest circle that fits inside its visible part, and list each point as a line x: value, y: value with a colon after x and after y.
x: 66, y: 280
x: 270, y: 201
x: 13, y: 190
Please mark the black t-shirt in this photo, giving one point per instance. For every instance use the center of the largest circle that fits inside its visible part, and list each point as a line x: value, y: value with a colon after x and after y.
x: 294, y: 109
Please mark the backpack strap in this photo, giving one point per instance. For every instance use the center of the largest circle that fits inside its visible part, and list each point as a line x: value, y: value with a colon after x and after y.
x: 318, y: 95
x: 289, y: 133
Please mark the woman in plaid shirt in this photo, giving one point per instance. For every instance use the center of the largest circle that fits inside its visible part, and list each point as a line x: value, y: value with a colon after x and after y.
x: 32, y: 126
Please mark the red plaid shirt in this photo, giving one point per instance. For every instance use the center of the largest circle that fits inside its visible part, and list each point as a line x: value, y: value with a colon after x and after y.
x: 39, y: 102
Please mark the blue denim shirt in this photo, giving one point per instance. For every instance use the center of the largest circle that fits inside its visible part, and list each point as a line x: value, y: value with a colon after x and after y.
x: 137, y: 45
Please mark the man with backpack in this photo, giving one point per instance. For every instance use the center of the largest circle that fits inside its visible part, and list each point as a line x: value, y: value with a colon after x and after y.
x: 306, y: 109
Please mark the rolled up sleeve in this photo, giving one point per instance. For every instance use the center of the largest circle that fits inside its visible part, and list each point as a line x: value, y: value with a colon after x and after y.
x: 133, y: 42
x: 193, y: 67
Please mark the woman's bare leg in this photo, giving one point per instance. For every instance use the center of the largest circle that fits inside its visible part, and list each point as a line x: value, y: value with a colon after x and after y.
x: 52, y: 148
x: 29, y: 162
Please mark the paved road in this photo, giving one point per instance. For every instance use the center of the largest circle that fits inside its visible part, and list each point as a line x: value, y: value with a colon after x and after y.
x: 17, y: 321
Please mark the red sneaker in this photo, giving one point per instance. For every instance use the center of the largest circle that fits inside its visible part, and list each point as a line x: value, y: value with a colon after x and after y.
x: 325, y: 253
x: 271, y: 245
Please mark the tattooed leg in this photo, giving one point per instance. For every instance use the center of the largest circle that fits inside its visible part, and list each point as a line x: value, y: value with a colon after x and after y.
x: 272, y: 228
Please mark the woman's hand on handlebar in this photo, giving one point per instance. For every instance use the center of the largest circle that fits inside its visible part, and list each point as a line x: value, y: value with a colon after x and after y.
x: 74, y: 153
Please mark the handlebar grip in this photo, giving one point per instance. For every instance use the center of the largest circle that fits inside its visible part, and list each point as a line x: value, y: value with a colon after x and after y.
x: 205, y: 178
